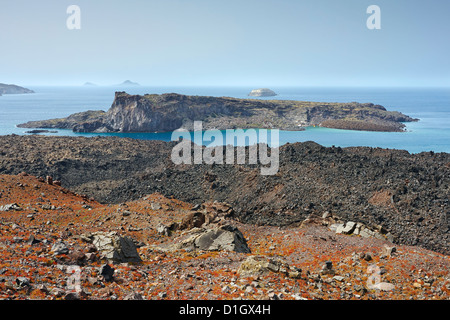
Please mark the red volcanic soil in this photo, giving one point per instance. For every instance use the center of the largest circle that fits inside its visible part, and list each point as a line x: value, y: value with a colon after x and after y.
x: 46, y: 214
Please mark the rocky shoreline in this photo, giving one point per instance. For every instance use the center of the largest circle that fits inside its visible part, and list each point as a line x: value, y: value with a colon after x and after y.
x: 168, y: 112
x: 404, y: 194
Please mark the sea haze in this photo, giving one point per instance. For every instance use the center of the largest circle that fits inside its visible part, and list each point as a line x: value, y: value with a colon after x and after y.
x: 430, y: 105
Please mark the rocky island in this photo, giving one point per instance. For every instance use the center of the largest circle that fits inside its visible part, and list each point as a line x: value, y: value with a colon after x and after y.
x: 264, y: 92
x: 13, y: 89
x: 171, y: 111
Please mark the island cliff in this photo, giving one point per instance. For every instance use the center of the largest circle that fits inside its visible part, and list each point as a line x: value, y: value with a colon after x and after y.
x: 171, y: 111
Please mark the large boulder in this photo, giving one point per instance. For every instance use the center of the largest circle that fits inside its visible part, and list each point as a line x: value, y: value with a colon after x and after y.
x: 259, y: 265
x: 227, y: 237
x: 113, y: 247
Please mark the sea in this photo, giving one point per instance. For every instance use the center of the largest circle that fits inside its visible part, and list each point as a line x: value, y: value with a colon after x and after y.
x: 430, y: 105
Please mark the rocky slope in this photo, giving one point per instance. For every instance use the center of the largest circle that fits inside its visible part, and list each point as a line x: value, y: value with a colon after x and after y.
x: 404, y: 194
x: 58, y: 245
x: 168, y: 112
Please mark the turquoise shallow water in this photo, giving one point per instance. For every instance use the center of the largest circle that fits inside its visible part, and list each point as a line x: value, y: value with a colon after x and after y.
x: 430, y: 105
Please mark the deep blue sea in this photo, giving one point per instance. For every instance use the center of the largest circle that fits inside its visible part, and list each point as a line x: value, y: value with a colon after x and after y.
x: 430, y: 105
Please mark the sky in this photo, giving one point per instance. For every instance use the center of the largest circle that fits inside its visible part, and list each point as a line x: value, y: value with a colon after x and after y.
x: 257, y: 43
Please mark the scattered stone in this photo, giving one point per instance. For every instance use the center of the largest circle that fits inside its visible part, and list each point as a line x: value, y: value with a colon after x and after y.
x: 338, y: 278
x: 259, y: 265
x: 348, y: 228
x: 383, y: 286
x: 57, y: 292
x: 17, y: 239
x: 327, y: 269
x: 368, y: 257
x: 163, y: 230
x: 156, y: 206
x: 60, y: 248
x: 32, y: 240
x: 335, y: 226
x: 10, y: 207
x: 107, y: 272
x: 226, y: 289
x: 71, y: 296
x: 387, y: 251
x: 77, y: 257
x: 273, y: 296
x: 193, y: 220
x: 23, y: 282
x: 134, y: 296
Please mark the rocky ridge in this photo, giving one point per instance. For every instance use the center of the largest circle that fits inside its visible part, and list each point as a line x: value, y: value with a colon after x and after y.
x: 404, y: 194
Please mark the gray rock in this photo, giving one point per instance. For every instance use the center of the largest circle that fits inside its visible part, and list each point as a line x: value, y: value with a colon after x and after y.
x: 359, y: 226
x: 10, y: 207
x: 260, y: 265
x: 327, y: 269
x: 348, y: 228
x: 383, y: 286
x: 226, y: 238
x: 60, y: 248
x: 338, y: 278
x: 134, y: 296
x: 23, y: 282
x: 387, y: 251
x: 368, y: 257
x: 115, y: 248
x: 366, y: 233
x: 163, y: 229
x: 107, y: 272
x: 335, y: 226
x: 57, y: 292
x: 155, y: 206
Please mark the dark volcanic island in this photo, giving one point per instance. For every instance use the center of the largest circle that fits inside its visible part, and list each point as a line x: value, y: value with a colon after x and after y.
x: 171, y: 111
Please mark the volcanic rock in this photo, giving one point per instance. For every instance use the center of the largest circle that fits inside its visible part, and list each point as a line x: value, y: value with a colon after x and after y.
x: 226, y: 237
x: 113, y: 247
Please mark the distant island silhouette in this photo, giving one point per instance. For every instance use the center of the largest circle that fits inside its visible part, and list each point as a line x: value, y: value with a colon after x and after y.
x: 13, y: 89
x: 129, y: 83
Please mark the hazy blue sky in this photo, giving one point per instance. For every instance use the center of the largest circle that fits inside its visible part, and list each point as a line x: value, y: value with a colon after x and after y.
x: 226, y: 42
